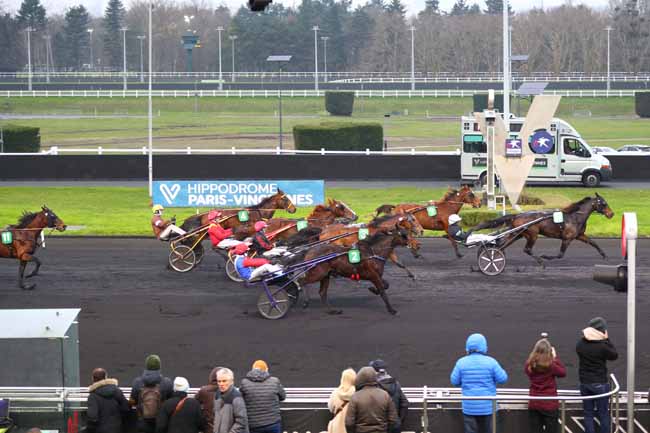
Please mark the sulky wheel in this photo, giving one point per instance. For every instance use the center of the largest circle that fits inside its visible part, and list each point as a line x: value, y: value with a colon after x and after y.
x: 199, y: 252
x: 491, y: 261
x: 182, y: 258
x: 270, y: 311
x: 231, y: 271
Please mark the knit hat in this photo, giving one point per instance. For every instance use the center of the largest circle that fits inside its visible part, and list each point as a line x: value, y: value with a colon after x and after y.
x: 598, y: 323
x: 152, y: 362
x: 378, y: 365
x: 260, y: 365
x: 181, y: 384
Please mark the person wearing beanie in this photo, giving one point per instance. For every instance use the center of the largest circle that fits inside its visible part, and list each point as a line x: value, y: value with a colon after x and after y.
x: 181, y: 414
x: 339, y: 400
x: 206, y: 397
x: 262, y: 394
x: 594, y: 349
x: 394, y: 389
x: 148, y: 392
x: 371, y: 409
x: 478, y: 375
x: 106, y: 404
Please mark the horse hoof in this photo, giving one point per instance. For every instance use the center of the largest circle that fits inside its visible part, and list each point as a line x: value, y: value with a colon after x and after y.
x: 28, y: 286
x: 393, y: 312
x: 335, y: 312
x: 305, y: 304
x: 373, y: 290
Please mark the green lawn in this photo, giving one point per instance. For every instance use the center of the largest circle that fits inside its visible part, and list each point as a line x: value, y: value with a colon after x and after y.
x: 113, y: 211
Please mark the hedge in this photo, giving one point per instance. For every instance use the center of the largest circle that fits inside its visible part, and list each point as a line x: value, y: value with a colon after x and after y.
x: 21, y: 139
x: 339, y: 136
x: 642, y: 104
x: 339, y: 103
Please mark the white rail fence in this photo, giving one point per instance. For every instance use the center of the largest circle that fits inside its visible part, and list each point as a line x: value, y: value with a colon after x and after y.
x: 55, y: 150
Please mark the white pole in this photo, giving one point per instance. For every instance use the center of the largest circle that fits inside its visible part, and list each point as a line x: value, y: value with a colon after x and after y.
x: 412, y: 58
x: 150, y: 125
x: 92, y: 62
x: 29, y: 30
x: 142, y: 38
x: 325, y: 38
x: 631, y: 330
x: 220, y: 29
x: 47, y: 57
x: 506, y: 67
x: 315, y: 29
x: 233, y: 38
x: 124, y: 55
x: 608, y: 29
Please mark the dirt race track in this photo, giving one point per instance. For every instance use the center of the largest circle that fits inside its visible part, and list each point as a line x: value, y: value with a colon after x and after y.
x: 132, y: 305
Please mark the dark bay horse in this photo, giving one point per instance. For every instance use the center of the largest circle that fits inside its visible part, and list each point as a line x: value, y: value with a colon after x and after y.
x: 25, y: 241
x: 374, y: 252
x: 450, y: 203
x: 265, y: 209
x: 573, y: 227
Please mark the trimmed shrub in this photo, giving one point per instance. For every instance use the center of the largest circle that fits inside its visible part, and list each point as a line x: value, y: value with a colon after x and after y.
x: 21, y: 138
x: 339, y: 103
x: 642, y: 104
x: 339, y: 136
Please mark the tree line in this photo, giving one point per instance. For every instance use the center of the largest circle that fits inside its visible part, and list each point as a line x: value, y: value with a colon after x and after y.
x: 375, y: 36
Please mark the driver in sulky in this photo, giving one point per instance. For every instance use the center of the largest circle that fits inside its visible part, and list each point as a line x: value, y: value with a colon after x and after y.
x: 163, y: 229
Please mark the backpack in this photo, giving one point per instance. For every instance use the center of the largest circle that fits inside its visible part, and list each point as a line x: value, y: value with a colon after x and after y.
x: 150, y: 401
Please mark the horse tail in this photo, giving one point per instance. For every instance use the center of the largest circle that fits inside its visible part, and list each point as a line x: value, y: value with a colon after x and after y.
x: 191, y: 223
x: 386, y: 209
x: 293, y: 259
x: 495, y: 223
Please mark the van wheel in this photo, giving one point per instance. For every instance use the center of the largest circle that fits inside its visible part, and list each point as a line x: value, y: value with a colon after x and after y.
x: 591, y: 179
x: 482, y: 180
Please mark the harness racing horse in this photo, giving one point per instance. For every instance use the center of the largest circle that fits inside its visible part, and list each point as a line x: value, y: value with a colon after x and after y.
x: 374, y: 252
x: 450, y: 203
x: 25, y: 241
x: 574, y: 225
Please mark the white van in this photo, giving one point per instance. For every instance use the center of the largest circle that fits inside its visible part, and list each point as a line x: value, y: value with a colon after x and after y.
x: 570, y: 161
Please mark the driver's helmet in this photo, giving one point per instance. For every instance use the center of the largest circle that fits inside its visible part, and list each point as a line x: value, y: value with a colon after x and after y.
x: 157, y: 209
x: 260, y: 225
x: 454, y: 218
x: 213, y: 214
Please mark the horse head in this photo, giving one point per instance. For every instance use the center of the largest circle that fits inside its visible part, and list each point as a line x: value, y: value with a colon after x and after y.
x: 600, y: 205
x: 52, y: 220
x: 342, y: 210
x: 466, y: 195
x: 408, y: 222
x: 284, y: 202
x: 402, y: 237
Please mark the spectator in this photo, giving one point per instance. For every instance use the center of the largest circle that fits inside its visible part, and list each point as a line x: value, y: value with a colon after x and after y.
x: 180, y: 414
x: 206, y: 397
x: 106, y: 404
x: 371, y: 409
x: 148, y: 393
x: 478, y: 375
x: 229, y: 408
x: 339, y: 400
x: 594, y: 350
x: 262, y: 394
x: 394, y: 389
x: 542, y: 367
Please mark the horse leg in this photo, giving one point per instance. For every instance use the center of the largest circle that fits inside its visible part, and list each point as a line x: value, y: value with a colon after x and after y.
x: 393, y: 258
x: 38, y: 266
x: 381, y: 290
x: 21, y: 277
x: 324, y: 285
x: 563, y: 247
x: 586, y: 239
x: 531, y: 238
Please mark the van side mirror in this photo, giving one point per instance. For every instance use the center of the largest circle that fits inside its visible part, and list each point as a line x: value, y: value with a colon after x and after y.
x: 615, y: 276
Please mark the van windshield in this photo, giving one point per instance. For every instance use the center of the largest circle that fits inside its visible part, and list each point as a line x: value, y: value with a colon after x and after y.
x: 474, y: 143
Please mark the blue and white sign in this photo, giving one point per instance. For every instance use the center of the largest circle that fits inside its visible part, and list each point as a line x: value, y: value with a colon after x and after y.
x: 542, y: 142
x: 235, y: 193
x: 513, y: 147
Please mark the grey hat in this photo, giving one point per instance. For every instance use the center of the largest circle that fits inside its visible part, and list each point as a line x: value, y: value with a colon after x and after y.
x: 598, y: 323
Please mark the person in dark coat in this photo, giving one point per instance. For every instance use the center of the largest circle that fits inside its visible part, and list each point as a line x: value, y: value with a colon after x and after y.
x: 594, y: 350
x: 106, y: 404
x: 180, y: 414
x: 206, y: 397
x: 371, y: 410
x: 262, y: 394
x: 229, y: 408
x: 153, y: 384
x: 394, y: 389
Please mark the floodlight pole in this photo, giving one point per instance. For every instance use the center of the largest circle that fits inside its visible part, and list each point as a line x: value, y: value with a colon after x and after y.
x: 124, y: 29
x: 608, y: 29
x: 219, y: 30
x: 412, y: 58
x: 324, y: 39
x: 141, y: 38
x: 48, y: 54
x: 90, y: 45
x: 506, y: 68
x: 150, y: 123
x: 29, y: 31
x: 315, y: 29
x: 233, y: 38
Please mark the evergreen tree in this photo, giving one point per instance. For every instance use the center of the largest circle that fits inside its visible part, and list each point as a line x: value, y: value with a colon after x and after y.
x: 432, y: 6
x: 474, y: 10
x: 113, y: 22
x: 32, y: 14
x: 76, y: 39
x: 377, y: 4
x: 396, y: 6
x: 459, y: 8
x: 9, y: 43
x: 495, y: 7
x: 633, y: 34
x: 359, y: 36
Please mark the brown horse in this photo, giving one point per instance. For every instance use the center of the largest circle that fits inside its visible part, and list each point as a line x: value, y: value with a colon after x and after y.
x: 575, y: 223
x: 450, y: 204
x: 374, y: 252
x: 263, y: 210
x: 25, y: 241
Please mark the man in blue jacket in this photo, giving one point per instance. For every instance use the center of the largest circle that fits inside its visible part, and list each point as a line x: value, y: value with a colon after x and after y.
x: 478, y: 375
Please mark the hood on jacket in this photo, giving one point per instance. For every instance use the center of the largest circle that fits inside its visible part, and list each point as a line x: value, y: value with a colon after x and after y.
x: 212, y: 378
x: 387, y: 382
x: 151, y: 377
x: 257, y: 375
x: 367, y: 376
x: 593, y: 334
x: 105, y: 388
x: 476, y: 343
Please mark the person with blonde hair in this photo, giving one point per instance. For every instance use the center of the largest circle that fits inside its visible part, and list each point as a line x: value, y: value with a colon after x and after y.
x: 338, y: 401
x: 542, y: 367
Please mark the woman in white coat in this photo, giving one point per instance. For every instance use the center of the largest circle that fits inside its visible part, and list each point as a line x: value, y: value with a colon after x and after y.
x: 338, y: 401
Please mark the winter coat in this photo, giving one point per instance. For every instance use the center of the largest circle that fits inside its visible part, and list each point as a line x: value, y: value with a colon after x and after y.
x: 338, y: 405
x: 542, y: 383
x: 477, y: 374
x: 151, y: 378
x: 594, y: 350
x: 187, y: 419
x: 371, y: 409
x: 106, y: 407
x: 230, y: 413
x: 206, y: 397
x: 262, y: 394
x: 394, y: 389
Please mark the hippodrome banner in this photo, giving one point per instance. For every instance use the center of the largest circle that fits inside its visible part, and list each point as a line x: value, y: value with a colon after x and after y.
x: 234, y: 193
